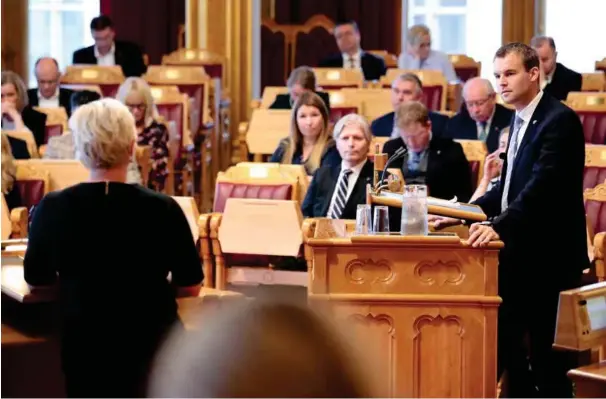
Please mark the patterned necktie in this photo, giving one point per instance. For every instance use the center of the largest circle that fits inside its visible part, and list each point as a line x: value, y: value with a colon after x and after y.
x: 483, y: 131
x: 415, y: 161
x: 341, y: 199
x: 511, y: 155
x: 352, y: 63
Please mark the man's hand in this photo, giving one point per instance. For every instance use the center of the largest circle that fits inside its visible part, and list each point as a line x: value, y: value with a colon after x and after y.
x: 441, y: 222
x: 480, y: 235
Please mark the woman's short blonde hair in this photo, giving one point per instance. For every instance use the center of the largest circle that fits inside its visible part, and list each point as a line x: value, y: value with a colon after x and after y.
x: 104, y: 133
x: 138, y: 85
x: 9, y: 170
x: 10, y: 77
x: 356, y: 120
x: 416, y: 32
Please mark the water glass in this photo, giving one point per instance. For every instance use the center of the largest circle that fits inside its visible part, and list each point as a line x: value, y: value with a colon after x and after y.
x: 414, y: 210
x: 363, y: 220
x: 381, y: 220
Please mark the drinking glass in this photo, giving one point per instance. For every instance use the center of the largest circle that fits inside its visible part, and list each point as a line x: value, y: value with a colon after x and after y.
x: 414, y: 210
x: 363, y: 220
x: 381, y: 220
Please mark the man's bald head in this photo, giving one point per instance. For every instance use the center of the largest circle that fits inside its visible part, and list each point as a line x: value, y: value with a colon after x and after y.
x: 480, y: 98
x: 47, y: 74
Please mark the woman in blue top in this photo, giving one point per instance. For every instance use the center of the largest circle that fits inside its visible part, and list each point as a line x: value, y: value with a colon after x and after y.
x: 310, y: 142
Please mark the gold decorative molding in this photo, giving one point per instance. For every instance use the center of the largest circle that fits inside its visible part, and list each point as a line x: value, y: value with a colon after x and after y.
x: 595, y: 156
x: 367, y: 271
x: 439, y: 273
x: 598, y: 193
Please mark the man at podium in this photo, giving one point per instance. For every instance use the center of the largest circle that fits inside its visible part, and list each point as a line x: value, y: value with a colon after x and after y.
x: 537, y: 211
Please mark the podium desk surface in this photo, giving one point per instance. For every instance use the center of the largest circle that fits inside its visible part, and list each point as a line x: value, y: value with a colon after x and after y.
x: 590, y: 381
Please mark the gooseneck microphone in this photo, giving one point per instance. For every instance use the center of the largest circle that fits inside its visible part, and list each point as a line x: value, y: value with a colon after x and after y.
x: 400, y: 152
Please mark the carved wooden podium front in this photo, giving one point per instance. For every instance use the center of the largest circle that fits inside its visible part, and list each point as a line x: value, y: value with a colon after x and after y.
x: 426, y: 305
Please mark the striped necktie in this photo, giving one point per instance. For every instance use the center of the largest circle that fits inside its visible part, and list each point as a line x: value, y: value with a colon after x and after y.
x: 341, y: 198
x: 352, y: 62
x: 483, y: 133
x: 511, y: 155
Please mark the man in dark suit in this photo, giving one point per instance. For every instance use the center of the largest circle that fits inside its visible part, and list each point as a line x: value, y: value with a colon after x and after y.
x: 302, y: 79
x: 557, y: 80
x: 481, y: 118
x: 537, y: 211
x: 48, y: 94
x: 406, y: 87
x: 337, y: 192
x: 108, y: 51
x: 352, y: 56
x: 436, y: 162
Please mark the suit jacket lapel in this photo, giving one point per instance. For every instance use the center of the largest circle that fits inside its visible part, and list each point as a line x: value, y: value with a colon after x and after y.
x: 531, y: 129
x: 332, y: 184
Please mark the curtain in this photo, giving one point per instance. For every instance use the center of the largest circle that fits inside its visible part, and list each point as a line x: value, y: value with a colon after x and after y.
x: 518, y: 20
x: 14, y: 37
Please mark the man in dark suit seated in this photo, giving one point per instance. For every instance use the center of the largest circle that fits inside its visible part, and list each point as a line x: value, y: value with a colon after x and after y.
x: 352, y: 56
x: 481, y: 118
x: 48, y: 94
x: 108, y: 51
x: 557, y: 80
x: 301, y: 79
x: 405, y: 88
x: 436, y: 162
x: 337, y: 192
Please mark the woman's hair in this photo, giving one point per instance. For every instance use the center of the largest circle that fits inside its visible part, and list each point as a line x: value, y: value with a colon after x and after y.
x: 9, y: 169
x: 138, y: 85
x: 295, y: 140
x: 356, y: 120
x: 416, y: 32
x: 260, y: 349
x: 104, y: 133
x: 304, y: 76
x: 10, y: 77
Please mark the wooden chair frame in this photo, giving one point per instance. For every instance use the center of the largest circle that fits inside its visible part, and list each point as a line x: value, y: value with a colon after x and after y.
x: 475, y: 151
x: 594, y: 81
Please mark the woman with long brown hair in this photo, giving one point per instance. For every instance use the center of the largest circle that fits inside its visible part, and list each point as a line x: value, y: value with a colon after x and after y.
x: 310, y: 142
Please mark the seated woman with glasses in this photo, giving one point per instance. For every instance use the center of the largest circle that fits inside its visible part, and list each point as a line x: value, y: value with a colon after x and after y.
x: 136, y: 95
x: 309, y: 142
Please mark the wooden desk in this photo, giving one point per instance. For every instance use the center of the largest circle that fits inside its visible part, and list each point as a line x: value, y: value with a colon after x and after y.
x: 426, y: 305
x: 590, y: 381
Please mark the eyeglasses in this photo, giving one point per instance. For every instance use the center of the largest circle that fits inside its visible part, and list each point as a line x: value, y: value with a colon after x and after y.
x: 139, y: 107
x: 477, y: 103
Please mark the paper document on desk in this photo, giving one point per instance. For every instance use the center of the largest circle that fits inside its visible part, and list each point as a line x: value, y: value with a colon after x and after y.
x: 443, y: 203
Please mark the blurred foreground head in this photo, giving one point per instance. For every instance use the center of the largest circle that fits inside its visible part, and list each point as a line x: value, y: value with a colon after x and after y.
x: 259, y: 349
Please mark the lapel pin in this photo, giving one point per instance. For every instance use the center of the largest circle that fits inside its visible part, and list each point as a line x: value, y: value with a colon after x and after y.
x: 534, y: 121
x: 439, y: 151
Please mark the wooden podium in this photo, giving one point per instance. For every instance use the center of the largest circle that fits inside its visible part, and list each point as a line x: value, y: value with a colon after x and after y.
x: 426, y: 305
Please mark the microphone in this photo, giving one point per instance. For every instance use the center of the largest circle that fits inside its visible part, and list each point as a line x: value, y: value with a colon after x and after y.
x: 503, y: 155
x: 400, y: 152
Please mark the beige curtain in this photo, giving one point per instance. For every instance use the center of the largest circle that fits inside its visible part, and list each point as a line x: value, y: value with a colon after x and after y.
x: 518, y: 20
x: 14, y: 37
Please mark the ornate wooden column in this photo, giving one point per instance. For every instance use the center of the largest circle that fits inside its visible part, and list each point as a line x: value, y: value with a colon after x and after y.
x: 518, y: 20
x: 14, y: 37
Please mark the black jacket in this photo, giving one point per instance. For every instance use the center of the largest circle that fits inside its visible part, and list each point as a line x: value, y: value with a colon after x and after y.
x: 282, y: 101
x: 65, y: 96
x: 128, y: 56
x: 563, y: 81
x: 372, y: 66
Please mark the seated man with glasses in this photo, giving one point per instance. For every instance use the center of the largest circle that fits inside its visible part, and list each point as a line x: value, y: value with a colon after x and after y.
x: 480, y: 117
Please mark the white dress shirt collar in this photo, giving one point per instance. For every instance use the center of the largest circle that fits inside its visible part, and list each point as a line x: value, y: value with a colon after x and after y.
x: 357, y: 59
x: 527, y: 112
x: 108, y: 59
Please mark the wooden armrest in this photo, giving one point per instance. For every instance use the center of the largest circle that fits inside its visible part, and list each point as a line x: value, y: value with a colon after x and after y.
x: 19, y: 222
x: 255, y: 104
x: 599, y: 250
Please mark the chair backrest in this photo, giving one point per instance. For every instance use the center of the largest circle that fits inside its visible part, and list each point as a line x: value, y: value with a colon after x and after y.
x: 260, y: 170
x: 56, y: 121
x: 594, y: 81
x: 435, y: 86
x: 267, y: 127
x: 595, y: 165
x: 338, y: 78
x: 108, y: 78
x: 601, y: 65
x: 190, y: 209
x: 80, y: 87
x: 173, y: 106
x: 475, y: 152
x: 33, y: 184
x: 213, y: 63
x: 591, y: 108
x: 391, y: 60
x: 465, y: 67
x: 595, y: 207
x: 375, y: 101
x: 342, y: 104
x: 62, y: 173
x: 29, y: 139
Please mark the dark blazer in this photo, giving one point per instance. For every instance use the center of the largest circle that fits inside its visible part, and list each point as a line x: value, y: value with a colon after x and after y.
x: 330, y: 157
x: 36, y: 122
x: 448, y: 172
x: 282, y: 101
x: 461, y: 126
x: 383, y: 125
x: 372, y: 66
x: 128, y: 56
x: 322, y: 187
x: 65, y: 96
x: 543, y: 227
x: 18, y: 148
x: 564, y: 81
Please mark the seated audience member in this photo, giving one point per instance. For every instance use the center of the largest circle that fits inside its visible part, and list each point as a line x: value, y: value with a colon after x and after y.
x: 48, y: 94
x: 9, y: 173
x: 336, y: 191
x: 262, y: 349
x: 17, y: 114
x: 107, y: 51
x: 309, y: 142
x: 419, y: 54
x: 436, y: 162
x: 481, y: 118
x: 406, y: 87
x: 63, y: 147
x: 556, y: 79
x: 352, y: 56
x: 136, y: 95
x: 492, y: 167
x: 301, y: 80
x: 117, y: 309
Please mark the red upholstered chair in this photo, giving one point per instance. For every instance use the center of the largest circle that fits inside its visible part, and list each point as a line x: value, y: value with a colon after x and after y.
x: 435, y: 86
x: 465, y: 67
x: 591, y: 108
x: 56, y: 121
x: 595, y: 165
x: 342, y: 104
x: 214, y: 64
x: 33, y: 184
x: 595, y: 209
x: 475, y: 152
x: 108, y: 78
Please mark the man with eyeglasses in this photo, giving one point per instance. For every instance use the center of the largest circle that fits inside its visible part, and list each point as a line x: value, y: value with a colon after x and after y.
x: 480, y: 117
